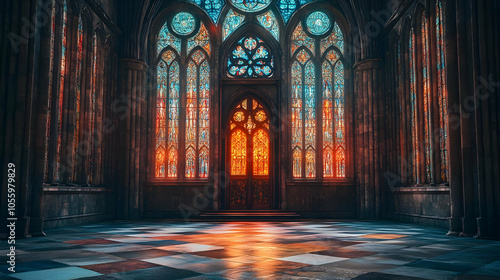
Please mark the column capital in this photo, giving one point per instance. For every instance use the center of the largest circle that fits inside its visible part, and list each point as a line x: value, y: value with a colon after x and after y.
x: 367, y: 64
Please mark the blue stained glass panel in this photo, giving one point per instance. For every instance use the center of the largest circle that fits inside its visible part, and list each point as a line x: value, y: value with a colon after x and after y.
x: 336, y: 38
x: 232, y: 21
x: 318, y: 23
x: 297, y: 120
x: 300, y: 38
x: 250, y: 58
x: 287, y: 8
x: 212, y: 7
x: 251, y: 5
x: 165, y: 39
x: 183, y: 23
x: 268, y: 20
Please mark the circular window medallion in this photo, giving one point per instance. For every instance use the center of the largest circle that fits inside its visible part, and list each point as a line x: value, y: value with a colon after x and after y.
x: 250, y: 58
x: 251, y: 5
x: 183, y: 23
x: 318, y: 23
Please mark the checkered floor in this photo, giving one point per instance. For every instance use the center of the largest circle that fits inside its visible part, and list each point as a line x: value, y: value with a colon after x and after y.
x: 253, y: 250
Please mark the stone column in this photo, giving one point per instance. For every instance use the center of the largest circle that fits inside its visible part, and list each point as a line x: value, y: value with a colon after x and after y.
x: 454, y: 145
x: 367, y: 116
x: 465, y: 91
x: 130, y: 158
x: 485, y: 95
x: 39, y: 122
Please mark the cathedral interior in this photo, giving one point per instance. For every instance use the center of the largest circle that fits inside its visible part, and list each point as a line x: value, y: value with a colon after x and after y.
x: 250, y: 139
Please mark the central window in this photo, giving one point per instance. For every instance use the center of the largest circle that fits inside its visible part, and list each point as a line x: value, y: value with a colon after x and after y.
x: 258, y: 34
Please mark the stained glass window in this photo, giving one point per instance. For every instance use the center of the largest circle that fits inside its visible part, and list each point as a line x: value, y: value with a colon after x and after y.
x: 183, y: 23
x: 61, y: 89
x: 201, y: 39
x: 238, y: 152
x: 250, y: 58
x: 303, y: 115
x: 249, y: 126
x: 442, y: 93
x: 339, y: 120
x: 260, y: 153
x: 79, y: 79
x: 303, y: 101
x: 195, y: 123
x: 287, y: 8
x: 268, y: 20
x: 165, y: 39
x: 167, y: 116
x: 336, y: 39
x: 251, y: 5
x: 297, y: 119
x: 318, y: 23
x: 92, y: 108
x: 427, y: 100
x: 204, y: 119
x: 413, y: 107
x: 50, y: 104
x: 333, y: 116
x: 191, y: 112
x: 232, y: 21
x: 212, y: 7
x: 197, y: 115
x: 299, y: 38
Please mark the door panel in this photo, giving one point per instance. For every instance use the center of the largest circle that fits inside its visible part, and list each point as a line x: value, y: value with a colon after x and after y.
x: 260, y: 194
x: 238, y: 193
x: 249, y: 157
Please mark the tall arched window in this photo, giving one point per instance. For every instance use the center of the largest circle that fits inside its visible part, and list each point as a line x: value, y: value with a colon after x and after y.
x: 79, y: 82
x: 62, y: 82
x: 442, y: 92
x: 50, y: 104
x: 69, y: 151
x: 95, y: 114
x: 197, y: 115
x: 167, y: 123
x: 319, y: 30
x: 427, y: 99
x: 428, y: 103
x: 413, y: 107
x: 186, y: 31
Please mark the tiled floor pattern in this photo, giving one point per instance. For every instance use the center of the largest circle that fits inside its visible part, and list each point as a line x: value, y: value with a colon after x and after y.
x: 253, y: 250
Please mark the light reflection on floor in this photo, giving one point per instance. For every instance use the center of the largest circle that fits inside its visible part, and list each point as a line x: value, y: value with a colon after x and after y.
x: 254, y: 250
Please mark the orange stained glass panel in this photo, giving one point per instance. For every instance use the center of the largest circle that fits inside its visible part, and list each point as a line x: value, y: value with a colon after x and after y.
x: 239, y: 116
x: 260, y: 153
x: 238, y: 152
x: 260, y: 116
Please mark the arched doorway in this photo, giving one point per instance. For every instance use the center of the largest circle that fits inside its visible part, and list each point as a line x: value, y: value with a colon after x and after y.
x: 249, y: 157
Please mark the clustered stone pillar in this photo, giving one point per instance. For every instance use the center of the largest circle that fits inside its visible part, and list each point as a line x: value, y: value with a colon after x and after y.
x: 24, y: 83
x: 132, y: 132
x: 367, y: 117
x: 472, y: 55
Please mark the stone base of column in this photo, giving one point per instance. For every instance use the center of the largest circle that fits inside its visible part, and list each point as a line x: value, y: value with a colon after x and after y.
x: 488, y: 228
x: 22, y: 227
x: 455, y: 227
x: 469, y: 227
x: 36, y: 227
